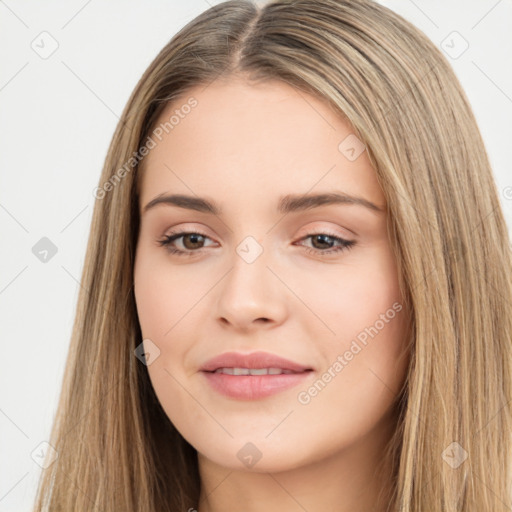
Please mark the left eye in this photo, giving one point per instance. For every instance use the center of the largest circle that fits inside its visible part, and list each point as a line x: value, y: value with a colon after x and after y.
x: 191, y: 240
x: 194, y: 238
x: 329, y: 239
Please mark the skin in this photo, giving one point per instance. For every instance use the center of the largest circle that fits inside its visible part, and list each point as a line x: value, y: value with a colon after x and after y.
x: 244, y: 146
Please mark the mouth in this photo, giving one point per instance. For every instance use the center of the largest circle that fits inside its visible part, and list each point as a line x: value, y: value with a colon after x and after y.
x: 255, y: 375
x: 256, y: 371
x: 262, y: 363
x: 254, y: 383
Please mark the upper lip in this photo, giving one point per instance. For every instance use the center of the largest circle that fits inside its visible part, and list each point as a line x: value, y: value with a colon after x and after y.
x: 252, y: 360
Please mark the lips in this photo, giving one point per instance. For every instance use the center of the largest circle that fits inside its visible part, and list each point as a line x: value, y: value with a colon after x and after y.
x: 229, y: 375
x: 251, y: 361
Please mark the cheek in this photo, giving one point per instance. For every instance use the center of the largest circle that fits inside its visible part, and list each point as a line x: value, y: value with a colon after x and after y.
x: 171, y: 306
x: 164, y: 295
x: 352, y: 297
x: 164, y: 305
x: 369, y: 369
x: 363, y: 333
x: 365, y: 365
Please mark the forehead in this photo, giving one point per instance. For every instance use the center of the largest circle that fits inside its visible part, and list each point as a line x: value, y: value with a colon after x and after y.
x: 240, y: 138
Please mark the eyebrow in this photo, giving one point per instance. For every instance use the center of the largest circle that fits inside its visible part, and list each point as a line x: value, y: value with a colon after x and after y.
x: 287, y: 204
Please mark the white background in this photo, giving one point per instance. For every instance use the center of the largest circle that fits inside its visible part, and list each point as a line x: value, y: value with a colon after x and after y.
x: 57, y: 119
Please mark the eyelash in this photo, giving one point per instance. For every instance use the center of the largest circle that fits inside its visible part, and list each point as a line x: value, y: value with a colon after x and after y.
x: 169, y: 239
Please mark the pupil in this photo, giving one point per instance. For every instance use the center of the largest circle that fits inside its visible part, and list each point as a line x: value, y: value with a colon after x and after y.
x: 194, y: 238
x: 322, y: 241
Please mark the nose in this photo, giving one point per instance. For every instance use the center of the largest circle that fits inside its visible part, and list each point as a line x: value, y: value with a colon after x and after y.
x: 251, y: 295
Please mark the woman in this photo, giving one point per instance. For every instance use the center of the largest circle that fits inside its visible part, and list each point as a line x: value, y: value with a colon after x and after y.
x: 297, y: 287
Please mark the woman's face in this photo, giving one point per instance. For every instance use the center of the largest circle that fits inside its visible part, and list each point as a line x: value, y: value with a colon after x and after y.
x: 312, y: 280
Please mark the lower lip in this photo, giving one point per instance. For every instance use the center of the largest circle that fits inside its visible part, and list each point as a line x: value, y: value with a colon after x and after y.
x: 253, y: 387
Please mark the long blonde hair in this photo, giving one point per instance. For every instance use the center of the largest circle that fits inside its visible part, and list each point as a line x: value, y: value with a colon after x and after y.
x: 452, y: 451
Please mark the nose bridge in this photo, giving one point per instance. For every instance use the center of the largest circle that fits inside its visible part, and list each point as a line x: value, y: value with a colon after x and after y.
x: 249, y: 278
x: 250, y: 290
